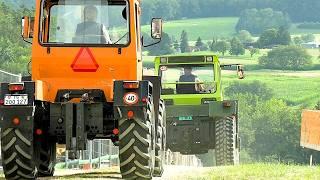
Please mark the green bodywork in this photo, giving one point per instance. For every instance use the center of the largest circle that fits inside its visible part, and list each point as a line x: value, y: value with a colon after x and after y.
x: 191, y: 117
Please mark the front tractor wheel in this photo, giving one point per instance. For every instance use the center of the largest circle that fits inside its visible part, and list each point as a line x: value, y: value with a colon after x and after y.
x: 226, y: 150
x: 17, y: 154
x: 136, y: 146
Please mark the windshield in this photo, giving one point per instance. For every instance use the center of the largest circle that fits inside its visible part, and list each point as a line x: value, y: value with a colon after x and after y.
x: 187, y: 79
x: 85, y: 22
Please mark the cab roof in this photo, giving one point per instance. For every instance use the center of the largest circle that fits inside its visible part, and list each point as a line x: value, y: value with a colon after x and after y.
x: 188, y: 59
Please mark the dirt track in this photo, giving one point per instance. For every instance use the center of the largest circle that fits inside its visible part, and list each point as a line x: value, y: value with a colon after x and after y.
x: 171, y: 173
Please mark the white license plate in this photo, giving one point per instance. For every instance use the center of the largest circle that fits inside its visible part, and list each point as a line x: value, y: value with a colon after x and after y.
x: 15, y: 100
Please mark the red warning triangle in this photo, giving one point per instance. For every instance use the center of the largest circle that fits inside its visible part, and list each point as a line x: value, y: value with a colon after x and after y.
x: 84, y: 61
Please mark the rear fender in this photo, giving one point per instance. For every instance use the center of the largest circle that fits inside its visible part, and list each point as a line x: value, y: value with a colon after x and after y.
x: 24, y: 113
x: 130, y: 99
x: 223, y: 109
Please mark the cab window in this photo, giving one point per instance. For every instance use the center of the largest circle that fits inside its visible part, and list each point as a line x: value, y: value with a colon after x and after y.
x: 86, y: 22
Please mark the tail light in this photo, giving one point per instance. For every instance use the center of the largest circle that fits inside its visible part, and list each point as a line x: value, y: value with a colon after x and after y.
x: 1, y: 102
x: 130, y: 114
x: 16, y: 87
x: 16, y: 121
x: 131, y: 85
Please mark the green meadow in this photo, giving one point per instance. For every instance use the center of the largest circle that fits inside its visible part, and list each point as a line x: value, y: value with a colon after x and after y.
x: 207, y: 28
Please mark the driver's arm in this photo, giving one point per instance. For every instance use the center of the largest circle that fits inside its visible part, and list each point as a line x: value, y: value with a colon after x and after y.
x: 199, y: 86
x: 106, y: 35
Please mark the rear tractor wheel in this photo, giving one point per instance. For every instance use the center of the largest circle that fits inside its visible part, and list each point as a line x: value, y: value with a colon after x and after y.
x: 17, y: 154
x: 46, y: 153
x: 136, y: 145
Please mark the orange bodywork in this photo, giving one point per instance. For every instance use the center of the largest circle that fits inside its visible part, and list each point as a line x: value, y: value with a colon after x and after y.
x: 310, y: 130
x: 52, y: 67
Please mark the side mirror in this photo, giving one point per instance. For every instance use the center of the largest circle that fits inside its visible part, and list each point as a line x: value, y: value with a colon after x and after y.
x: 240, y: 72
x: 27, y: 25
x: 156, y: 28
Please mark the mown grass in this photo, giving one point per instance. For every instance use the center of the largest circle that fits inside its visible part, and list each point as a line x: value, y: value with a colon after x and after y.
x: 258, y: 171
x: 206, y: 28
x: 292, y: 88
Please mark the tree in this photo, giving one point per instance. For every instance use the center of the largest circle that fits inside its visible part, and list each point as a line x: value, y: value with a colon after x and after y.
x: 255, y: 21
x: 297, y: 41
x: 286, y: 58
x: 245, y: 36
x: 163, y: 48
x: 200, y: 45
x: 176, y: 46
x: 256, y: 88
x: 221, y: 46
x: 284, y: 37
x: 308, y: 38
x: 237, y: 47
x: 254, y: 51
x: 317, y: 107
x: 184, y: 42
x: 271, y: 37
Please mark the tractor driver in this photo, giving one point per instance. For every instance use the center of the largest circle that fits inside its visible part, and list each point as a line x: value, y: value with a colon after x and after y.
x: 189, y: 78
x: 90, y: 27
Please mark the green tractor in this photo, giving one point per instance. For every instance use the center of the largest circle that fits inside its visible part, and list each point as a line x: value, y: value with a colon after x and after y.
x: 199, y: 120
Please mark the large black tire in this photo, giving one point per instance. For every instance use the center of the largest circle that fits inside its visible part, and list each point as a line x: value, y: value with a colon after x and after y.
x: 226, y: 150
x: 46, y: 153
x: 136, y: 145
x: 17, y: 154
x: 160, y: 141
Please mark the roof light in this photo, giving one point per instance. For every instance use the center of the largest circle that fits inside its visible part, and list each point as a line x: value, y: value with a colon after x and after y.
x: 131, y: 85
x: 163, y: 60
x: 16, y: 87
x: 209, y: 59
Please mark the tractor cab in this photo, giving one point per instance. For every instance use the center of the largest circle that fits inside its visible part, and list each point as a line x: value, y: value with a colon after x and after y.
x: 190, y: 80
x: 85, y: 45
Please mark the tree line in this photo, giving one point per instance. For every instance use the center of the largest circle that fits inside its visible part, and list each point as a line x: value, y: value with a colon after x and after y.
x: 297, y: 10
x: 14, y: 52
x: 269, y: 127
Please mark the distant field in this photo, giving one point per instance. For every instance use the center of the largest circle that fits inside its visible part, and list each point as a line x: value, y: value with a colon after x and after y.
x: 206, y: 28
x: 295, y: 88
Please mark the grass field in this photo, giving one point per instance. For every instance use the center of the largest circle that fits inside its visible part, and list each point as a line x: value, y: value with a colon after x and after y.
x: 258, y: 171
x: 297, y: 88
x: 206, y: 28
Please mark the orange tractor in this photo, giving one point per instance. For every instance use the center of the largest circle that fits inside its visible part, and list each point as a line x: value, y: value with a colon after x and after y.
x: 86, y: 82
x: 310, y: 129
